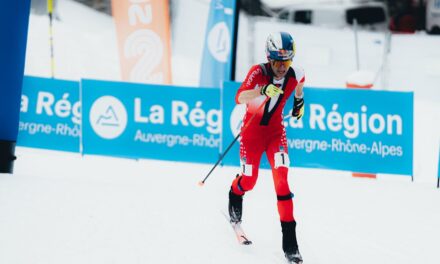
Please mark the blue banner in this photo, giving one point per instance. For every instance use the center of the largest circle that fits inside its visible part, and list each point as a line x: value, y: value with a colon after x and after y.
x: 355, y: 130
x: 151, y: 121
x: 217, y: 55
x: 50, y: 115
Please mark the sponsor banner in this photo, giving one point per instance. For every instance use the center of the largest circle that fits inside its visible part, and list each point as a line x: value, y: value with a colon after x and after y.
x: 143, y: 30
x: 217, y: 55
x: 50, y: 114
x: 144, y: 121
x: 354, y: 130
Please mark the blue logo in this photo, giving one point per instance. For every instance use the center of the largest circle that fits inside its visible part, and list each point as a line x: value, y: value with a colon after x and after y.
x: 219, y: 42
x: 108, y: 117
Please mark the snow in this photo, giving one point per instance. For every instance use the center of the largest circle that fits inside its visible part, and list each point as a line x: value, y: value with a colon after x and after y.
x: 67, y: 208
x: 64, y: 208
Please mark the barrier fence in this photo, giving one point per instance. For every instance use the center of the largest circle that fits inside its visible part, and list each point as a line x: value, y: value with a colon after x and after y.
x: 352, y: 130
x: 50, y: 116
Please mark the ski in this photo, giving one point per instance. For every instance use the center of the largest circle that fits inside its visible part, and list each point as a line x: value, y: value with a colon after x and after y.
x: 239, y: 233
x: 238, y: 230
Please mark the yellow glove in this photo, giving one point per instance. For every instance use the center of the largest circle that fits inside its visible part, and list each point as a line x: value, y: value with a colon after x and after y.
x: 270, y: 90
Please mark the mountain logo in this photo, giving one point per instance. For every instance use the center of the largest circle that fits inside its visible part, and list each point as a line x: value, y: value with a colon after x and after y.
x: 236, y: 119
x: 108, y: 117
x: 219, y: 42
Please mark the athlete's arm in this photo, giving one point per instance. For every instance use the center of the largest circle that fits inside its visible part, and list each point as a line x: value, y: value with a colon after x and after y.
x: 299, y: 90
x: 250, y: 89
x: 245, y: 96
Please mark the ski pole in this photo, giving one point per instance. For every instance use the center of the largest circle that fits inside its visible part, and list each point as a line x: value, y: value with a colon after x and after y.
x: 202, y: 182
x: 50, y: 13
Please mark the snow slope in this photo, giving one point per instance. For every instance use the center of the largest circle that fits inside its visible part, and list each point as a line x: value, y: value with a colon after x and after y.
x: 66, y: 208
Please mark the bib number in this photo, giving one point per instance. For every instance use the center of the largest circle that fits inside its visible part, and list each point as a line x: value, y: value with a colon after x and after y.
x: 246, y: 169
x: 281, y: 160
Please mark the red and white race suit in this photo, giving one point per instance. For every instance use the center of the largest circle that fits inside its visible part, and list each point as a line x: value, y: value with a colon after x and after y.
x: 265, y: 132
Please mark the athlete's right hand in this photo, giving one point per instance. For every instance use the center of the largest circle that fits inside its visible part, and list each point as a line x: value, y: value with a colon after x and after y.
x: 270, y: 90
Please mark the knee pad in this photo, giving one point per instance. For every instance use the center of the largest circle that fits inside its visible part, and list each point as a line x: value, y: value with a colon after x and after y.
x: 285, y: 197
x: 236, y: 186
x: 285, y: 207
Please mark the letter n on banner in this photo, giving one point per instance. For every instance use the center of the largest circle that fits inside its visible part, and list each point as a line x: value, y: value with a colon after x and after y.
x: 143, y: 31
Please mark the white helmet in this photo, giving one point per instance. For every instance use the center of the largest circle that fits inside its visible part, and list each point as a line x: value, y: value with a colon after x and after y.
x: 280, y: 46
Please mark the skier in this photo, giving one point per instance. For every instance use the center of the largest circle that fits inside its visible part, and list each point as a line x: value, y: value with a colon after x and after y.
x: 265, y: 132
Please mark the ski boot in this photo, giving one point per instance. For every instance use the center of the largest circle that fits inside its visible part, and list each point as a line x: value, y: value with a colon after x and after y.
x: 290, y: 244
x: 294, y: 258
x: 235, y: 207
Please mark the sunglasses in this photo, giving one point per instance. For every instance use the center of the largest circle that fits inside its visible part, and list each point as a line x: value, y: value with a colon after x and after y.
x: 277, y: 63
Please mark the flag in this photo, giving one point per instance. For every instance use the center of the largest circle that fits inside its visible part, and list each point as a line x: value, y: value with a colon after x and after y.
x: 143, y: 31
x: 217, y: 58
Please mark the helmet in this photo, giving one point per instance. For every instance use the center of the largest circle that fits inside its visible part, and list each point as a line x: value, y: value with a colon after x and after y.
x: 280, y: 46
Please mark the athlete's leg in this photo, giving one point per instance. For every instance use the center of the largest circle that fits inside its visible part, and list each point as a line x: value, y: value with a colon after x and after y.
x: 277, y: 155
x: 250, y: 155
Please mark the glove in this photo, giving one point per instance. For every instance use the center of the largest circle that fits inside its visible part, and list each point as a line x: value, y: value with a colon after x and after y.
x: 298, y: 108
x: 270, y: 90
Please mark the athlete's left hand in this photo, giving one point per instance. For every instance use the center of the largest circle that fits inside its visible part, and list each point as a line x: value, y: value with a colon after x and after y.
x: 298, y: 108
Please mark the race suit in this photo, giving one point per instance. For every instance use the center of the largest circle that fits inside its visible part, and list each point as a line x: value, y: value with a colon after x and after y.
x: 265, y: 132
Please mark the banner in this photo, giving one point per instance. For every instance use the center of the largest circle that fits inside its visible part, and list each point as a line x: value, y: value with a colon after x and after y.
x: 353, y: 130
x: 50, y: 115
x: 219, y: 43
x: 151, y: 121
x: 143, y: 30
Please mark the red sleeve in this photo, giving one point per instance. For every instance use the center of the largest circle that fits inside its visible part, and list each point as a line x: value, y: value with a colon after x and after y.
x: 253, y: 78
